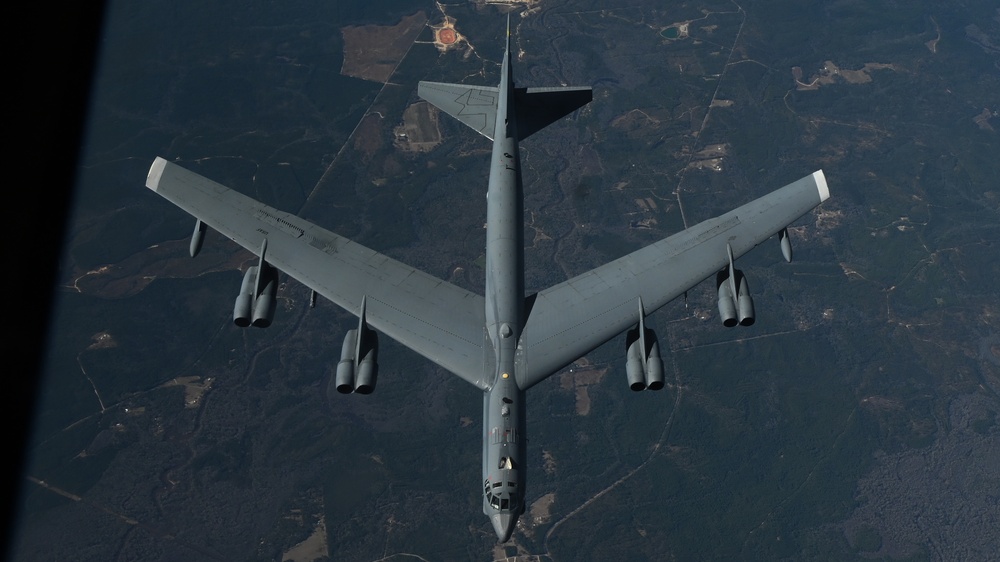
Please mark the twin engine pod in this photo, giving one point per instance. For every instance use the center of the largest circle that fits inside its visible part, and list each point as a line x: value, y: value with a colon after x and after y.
x: 735, y: 303
x: 357, y: 370
x: 256, y: 302
x: 643, y: 366
x: 736, y: 309
x: 258, y: 293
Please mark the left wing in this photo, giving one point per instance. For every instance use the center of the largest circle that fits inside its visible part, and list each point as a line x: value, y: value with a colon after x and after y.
x: 438, y: 320
x: 571, y: 319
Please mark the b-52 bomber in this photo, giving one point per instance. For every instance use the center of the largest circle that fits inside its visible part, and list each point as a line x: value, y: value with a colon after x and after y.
x: 503, y: 342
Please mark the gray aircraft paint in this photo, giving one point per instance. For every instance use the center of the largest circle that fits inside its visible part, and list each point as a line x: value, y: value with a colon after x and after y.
x: 505, y: 342
x: 503, y: 405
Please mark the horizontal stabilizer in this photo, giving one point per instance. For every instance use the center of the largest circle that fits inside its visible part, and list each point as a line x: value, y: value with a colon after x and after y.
x: 476, y: 106
x: 539, y: 107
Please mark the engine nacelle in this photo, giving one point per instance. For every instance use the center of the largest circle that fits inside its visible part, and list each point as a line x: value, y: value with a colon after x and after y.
x: 735, y: 302
x: 344, y: 378
x: 643, y: 366
x: 727, y: 305
x: 367, y: 373
x: 734, y: 309
x: 654, y: 365
x: 256, y: 302
x: 744, y: 300
x: 357, y: 370
x: 263, y: 309
x: 633, y: 361
x: 244, y: 302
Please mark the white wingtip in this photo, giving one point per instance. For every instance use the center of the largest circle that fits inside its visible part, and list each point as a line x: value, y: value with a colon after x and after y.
x: 820, y: 179
x: 155, y: 171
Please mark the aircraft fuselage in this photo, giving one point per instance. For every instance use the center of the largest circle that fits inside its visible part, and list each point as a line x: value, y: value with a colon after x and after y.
x: 503, y: 403
x: 498, y: 342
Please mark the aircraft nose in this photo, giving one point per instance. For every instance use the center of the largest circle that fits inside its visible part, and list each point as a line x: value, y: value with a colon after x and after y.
x: 503, y: 524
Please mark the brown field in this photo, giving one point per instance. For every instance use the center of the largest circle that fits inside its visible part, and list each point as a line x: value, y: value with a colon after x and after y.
x: 372, y: 52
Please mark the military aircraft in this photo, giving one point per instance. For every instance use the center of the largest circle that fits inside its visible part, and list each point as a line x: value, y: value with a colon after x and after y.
x: 503, y: 342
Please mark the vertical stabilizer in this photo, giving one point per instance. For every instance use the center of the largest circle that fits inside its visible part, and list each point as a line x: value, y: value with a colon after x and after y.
x: 508, y: 35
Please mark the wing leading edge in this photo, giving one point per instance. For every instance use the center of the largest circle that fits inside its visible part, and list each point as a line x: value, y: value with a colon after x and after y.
x: 438, y: 320
x: 573, y: 318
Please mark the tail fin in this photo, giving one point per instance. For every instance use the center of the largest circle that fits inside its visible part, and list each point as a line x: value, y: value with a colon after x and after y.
x: 508, y: 32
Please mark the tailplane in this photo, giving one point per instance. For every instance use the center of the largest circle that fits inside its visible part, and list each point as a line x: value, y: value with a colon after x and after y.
x: 476, y: 106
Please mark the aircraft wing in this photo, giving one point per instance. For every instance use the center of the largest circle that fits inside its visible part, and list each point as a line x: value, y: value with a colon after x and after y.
x: 438, y: 320
x: 567, y: 321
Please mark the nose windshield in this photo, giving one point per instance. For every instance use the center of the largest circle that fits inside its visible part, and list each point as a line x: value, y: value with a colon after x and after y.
x: 502, y: 495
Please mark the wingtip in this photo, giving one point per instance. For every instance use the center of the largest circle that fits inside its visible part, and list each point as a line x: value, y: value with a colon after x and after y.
x: 155, y: 171
x: 821, y: 187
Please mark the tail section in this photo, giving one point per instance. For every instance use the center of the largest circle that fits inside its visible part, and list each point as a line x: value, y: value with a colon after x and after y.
x: 477, y: 106
x: 507, y: 46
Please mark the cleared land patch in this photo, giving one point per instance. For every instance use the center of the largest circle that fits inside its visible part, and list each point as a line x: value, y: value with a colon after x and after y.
x: 372, y: 52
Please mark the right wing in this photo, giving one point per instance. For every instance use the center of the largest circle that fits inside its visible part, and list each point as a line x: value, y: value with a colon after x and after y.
x: 567, y: 321
x: 438, y: 320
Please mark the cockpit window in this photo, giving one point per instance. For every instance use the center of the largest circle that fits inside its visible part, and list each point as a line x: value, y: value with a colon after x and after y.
x: 500, y: 496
